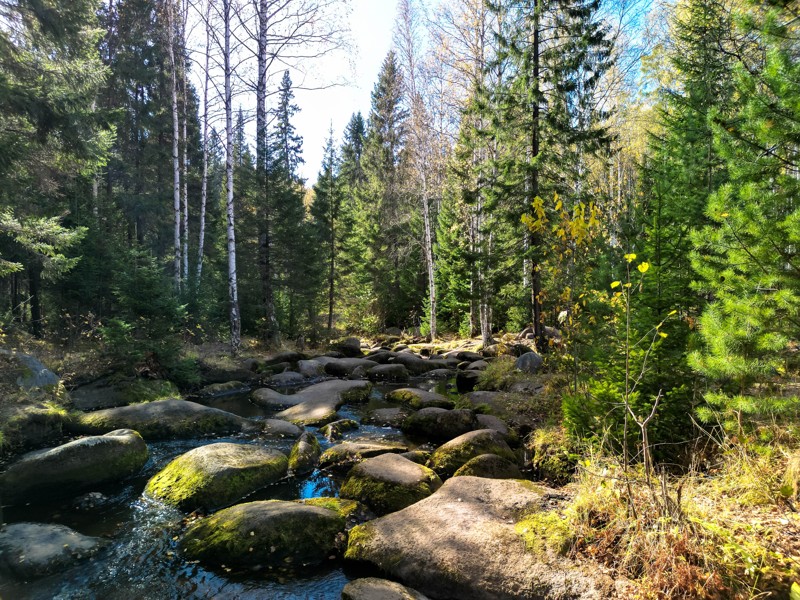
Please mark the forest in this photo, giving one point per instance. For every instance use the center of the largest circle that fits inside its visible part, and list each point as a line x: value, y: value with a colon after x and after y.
x: 611, y: 184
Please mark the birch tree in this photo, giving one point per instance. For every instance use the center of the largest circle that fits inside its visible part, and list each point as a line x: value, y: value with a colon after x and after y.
x: 176, y: 166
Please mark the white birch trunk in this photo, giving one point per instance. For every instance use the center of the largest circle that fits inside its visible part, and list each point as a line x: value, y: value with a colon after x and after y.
x: 176, y: 166
x: 185, y: 249
x: 204, y: 184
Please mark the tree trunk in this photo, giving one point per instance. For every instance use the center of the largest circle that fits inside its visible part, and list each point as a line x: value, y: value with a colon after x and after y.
x: 204, y: 184
x: 429, y: 260
x: 233, y: 291
x: 34, y: 288
x: 185, y: 251
x: 534, y: 240
x: 176, y: 166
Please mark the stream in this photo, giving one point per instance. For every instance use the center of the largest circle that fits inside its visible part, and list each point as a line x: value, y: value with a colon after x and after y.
x: 141, y: 561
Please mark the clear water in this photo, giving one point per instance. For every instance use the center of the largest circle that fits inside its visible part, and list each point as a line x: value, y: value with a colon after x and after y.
x: 141, y: 561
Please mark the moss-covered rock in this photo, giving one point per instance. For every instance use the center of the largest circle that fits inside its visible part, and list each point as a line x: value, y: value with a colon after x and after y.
x: 372, y: 588
x: 341, y: 506
x: 388, y: 483
x: 554, y: 456
x: 218, y: 390
x: 345, y: 455
x: 216, y: 475
x: 164, y: 419
x: 72, y: 467
x: 111, y: 392
x: 417, y: 398
x: 305, y: 454
x: 333, y: 431
x: 418, y: 456
x: 451, y: 456
x: 490, y: 466
x: 270, y: 533
x: 439, y: 424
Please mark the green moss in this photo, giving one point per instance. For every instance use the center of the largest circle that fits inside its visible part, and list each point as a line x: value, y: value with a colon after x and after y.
x: 546, y: 531
x: 357, y: 540
x: 499, y: 375
x: 404, y: 397
x: 356, y: 395
x: 334, y: 430
x: 138, y: 390
x: 385, y: 496
x: 553, y: 455
x: 305, y: 454
x: 341, y: 506
x: 447, y: 459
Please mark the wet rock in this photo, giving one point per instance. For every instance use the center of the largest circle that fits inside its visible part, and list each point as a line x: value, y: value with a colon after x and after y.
x: 391, y: 373
x: 389, y: 482
x: 416, y: 365
x: 279, y: 429
x: 530, y: 362
x: 418, y: 398
x: 286, y: 379
x: 345, y: 455
x: 466, y: 381
x: 270, y: 533
x: 163, y: 419
x: 73, y: 467
x: 344, y: 367
x: 439, y: 424
x: 269, y: 398
x: 33, y: 550
x: 216, y: 475
x: 334, y: 431
x: 387, y: 417
x: 491, y: 466
x: 90, y: 501
x: 372, y: 588
x: 464, y: 355
x: 305, y: 454
x: 469, y: 547
x: 451, y: 456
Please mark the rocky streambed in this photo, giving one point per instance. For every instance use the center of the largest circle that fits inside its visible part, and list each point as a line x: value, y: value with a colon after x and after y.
x: 353, y: 477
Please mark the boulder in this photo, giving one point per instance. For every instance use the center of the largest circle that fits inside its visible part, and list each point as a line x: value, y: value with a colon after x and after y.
x: 417, y: 365
x: 439, y: 424
x: 344, y: 455
x: 73, y: 467
x: 269, y: 398
x: 32, y: 550
x: 334, y: 431
x: 372, y: 588
x: 440, y: 374
x: 478, y: 365
x: 492, y: 422
x: 530, y: 362
x: 389, y: 482
x: 349, y: 509
x: 466, y: 380
x: 491, y: 466
x: 111, y: 393
x: 29, y: 372
x: 349, y: 347
x: 220, y: 390
x: 393, y: 373
x: 289, y: 356
x: 311, y: 369
x: 286, y: 379
x: 418, y: 398
x: 418, y: 456
x: 451, y: 456
x: 386, y: 417
x: 305, y: 454
x: 216, y: 475
x: 312, y: 414
x: 163, y: 419
x: 381, y: 356
x: 317, y: 404
x: 463, y: 542
x: 279, y: 429
x: 270, y: 533
x: 344, y: 367
x: 526, y: 387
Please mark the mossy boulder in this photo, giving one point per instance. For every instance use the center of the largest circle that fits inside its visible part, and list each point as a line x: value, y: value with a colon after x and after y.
x: 111, y: 392
x: 345, y: 455
x: 270, y: 533
x: 439, y: 424
x: 164, y: 419
x: 305, y: 454
x: 341, y: 506
x: 389, y: 482
x: 491, y: 466
x: 220, y: 390
x: 333, y: 431
x: 418, y: 456
x: 417, y: 398
x: 216, y: 475
x: 372, y: 588
x: 451, y: 456
x: 467, y: 380
x: 554, y: 455
x: 461, y: 542
x: 350, y: 347
x: 72, y: 467
x: 279, y: 429
x: 32, y: 550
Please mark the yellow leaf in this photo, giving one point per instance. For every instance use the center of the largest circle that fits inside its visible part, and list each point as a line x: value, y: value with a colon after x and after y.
x: 627, y: 285
x: 725, y: 215
x: 643, y: 267
x: 559, y: 204
x: 794, y: 594
x: 615, y: 284
x: 674, y: 312
x: 662, y: 334
x: 630, y: 257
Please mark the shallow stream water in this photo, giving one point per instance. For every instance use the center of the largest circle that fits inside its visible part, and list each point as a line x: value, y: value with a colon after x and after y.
x: 141, y: 560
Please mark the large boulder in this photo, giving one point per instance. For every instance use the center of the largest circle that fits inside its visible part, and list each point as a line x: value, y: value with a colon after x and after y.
x: 417, y: 398
x: 392, y: 373
x: 466, y: 380
x: 345, y: 367
x: 451, y: 456
x: 32, y: 550
x: 318, y: 403
x: 28, y: 371
x: 372, y: 588
x: 311, y: 369
x: 286, y: 379
x: 530, y: 362
x: 463, y: 542
x: 346, y: 454
x: 439, y: 424
x: 417, y: 365
x: 269, y: 398
x: 305, y: 454
x: 349, y: 347
x: 216, y: 475
x: 270, y: 533
x: 389, y: 482
x: 74, y: 466
x: 112, y: 392
x: 164, y: 419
